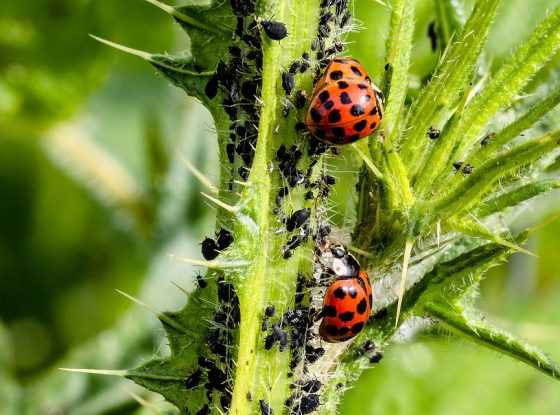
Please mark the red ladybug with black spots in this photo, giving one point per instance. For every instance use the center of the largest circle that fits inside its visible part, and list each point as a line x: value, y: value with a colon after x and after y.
x: 346, y: 308
x: 345, y: 105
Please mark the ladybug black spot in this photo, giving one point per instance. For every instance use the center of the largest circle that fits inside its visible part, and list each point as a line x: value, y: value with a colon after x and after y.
x: 343, y: 331
x: 356, y: 328
x: 331, y: 330
x: 356, y: 71
x: 357, y: 110
x: 345, y: 98
x: 352, y: 292
x: 359, y: 126
x: 353, y: 138
x: 338, y: 132
x: 329, y: 104
x: 343, y: 84
x: 324, y: 96
x: 274, y: 30
x: 315, y: 116
x: 362, y: 86
x: 334, y: 116
x: 329, y: 311
x: 373, y: 111
x: 346, y: 316
x: 373, y: 125
x: 339, y: 293
x: 362, y: 305
x: 336, y: 75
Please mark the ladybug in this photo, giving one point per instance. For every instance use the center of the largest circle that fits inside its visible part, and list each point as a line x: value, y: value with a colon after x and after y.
x: 346, y: 308
x: 345, y: 105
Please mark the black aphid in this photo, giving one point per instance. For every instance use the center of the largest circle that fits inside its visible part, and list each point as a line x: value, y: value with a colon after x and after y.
x: 193, y: 380
x: 274, y: 30
x: 298, y: 218
x: 301, y: 98
x: 433, y: 133
x: 309, y: 403
x: 288, y: 82
x: 432, y: 34
x: 209, y: 249
x: 224, y: 239
x: 265, y: 408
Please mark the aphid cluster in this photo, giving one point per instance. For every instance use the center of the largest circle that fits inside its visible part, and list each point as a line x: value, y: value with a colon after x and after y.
x: 465, y: 168
x: 343, y: 107
x: 214, y: 370
x: 238, y: 79
x: 211, y: 248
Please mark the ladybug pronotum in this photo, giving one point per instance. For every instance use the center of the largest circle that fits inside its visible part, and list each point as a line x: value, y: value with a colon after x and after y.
x: 345, y: 105
x: 346, y: 308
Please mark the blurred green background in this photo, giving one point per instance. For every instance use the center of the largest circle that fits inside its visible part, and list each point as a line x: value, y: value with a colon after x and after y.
x: 86, y: 135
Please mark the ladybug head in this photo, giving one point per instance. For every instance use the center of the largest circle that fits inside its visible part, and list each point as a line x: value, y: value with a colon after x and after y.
x: 336, y: 259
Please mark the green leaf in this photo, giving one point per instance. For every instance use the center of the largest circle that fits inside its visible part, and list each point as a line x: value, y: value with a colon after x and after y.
x: 469, y: 191
x: 186, y: 332
x: 498, y: 141
x: 500, y: 93
x: 210, y: 28
x: 474, y: 228
x: 481, y: 332
x: 449, y: 20
x: 447, y: 86
x: 516, y: 196
x: 399, y: 46
x: 177, y: 69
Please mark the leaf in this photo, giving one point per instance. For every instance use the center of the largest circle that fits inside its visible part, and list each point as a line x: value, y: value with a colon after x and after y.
x: 498, y: 141
x: 481, y: 332
x: 450, y: 81
x: 166, y: 376
x: 516, y: 196
x: 473, y: 227
x: 469, y: 191
x: 449, y: 20
x: 500, y: 93
x: 177, y: 69
x: 399, y: 46
x: 210, y: 28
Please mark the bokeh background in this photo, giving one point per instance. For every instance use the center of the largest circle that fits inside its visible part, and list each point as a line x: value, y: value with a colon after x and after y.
x: 95, y: 195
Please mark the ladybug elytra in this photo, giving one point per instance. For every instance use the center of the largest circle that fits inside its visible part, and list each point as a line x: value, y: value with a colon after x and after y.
x: 346, y: 308
x: 345, y: 105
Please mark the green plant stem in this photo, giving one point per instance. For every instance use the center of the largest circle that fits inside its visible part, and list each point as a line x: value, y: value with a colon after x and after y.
x: 493, y: 338
x: 270, y: 279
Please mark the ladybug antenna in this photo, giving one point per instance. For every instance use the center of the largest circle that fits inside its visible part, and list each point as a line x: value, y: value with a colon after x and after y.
x: 406, y: 260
